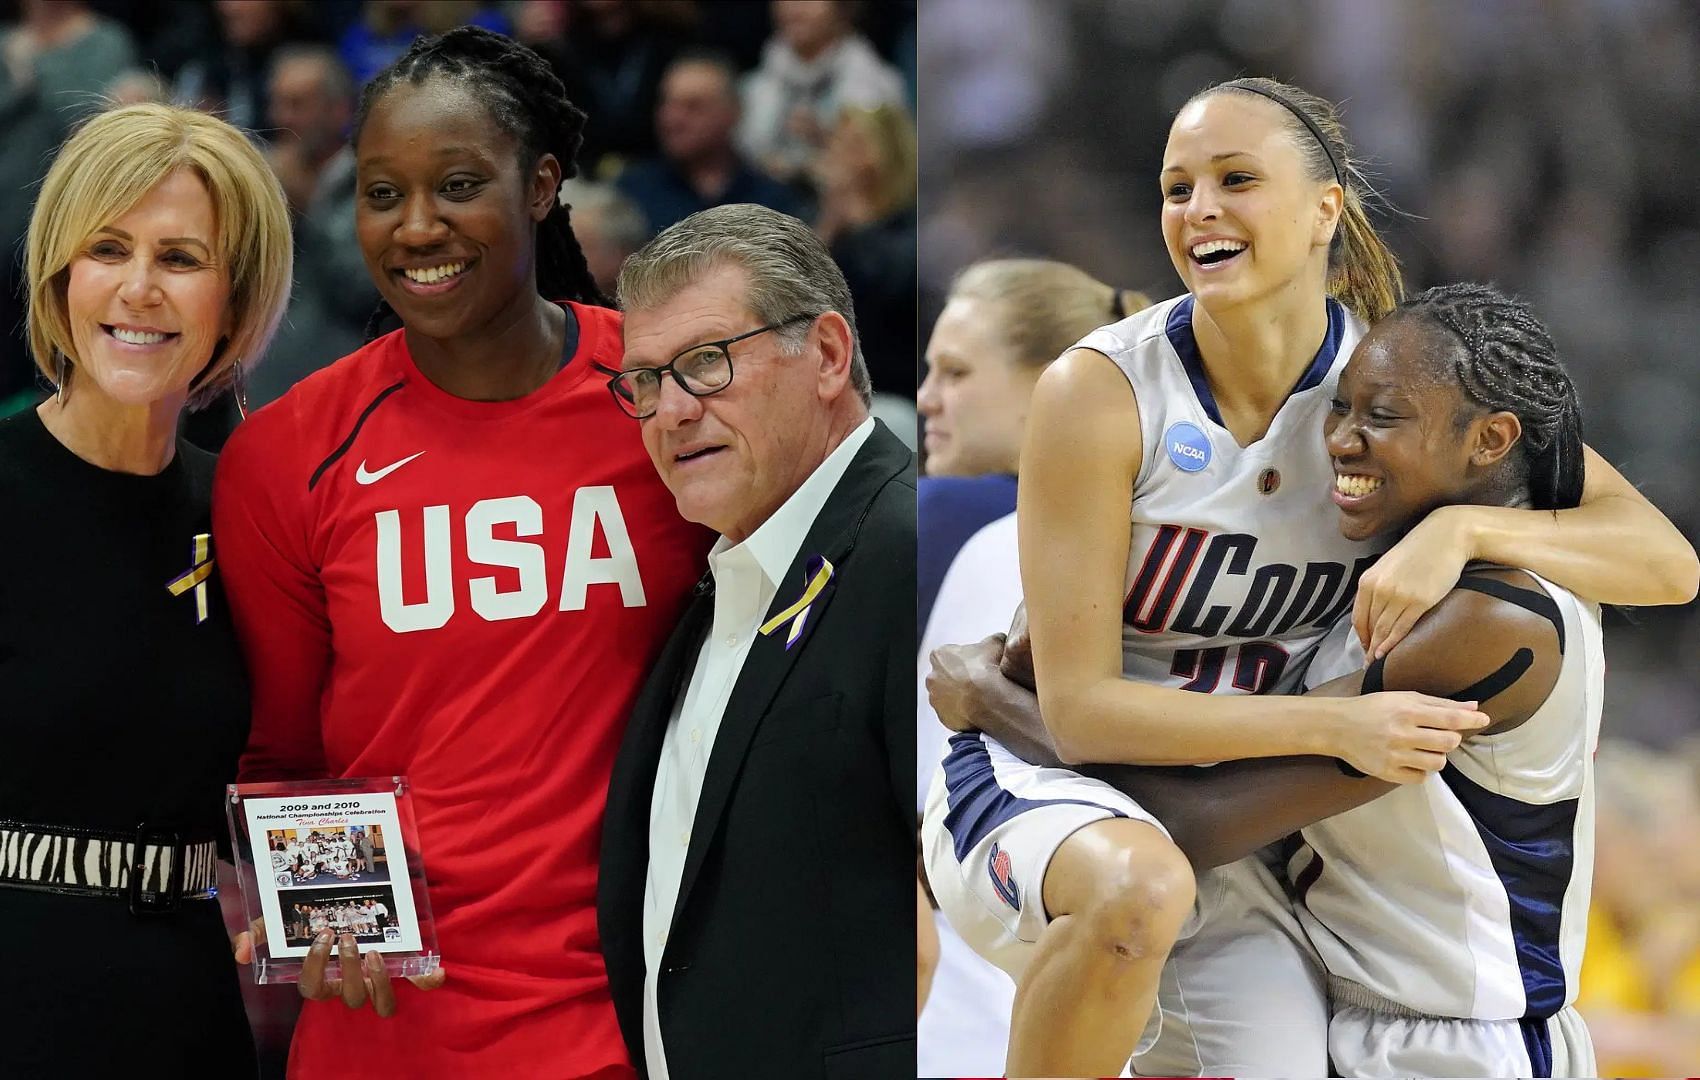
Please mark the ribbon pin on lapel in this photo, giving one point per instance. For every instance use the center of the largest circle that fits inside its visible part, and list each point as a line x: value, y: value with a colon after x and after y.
x: 819, y: 572
x: 196, y: 576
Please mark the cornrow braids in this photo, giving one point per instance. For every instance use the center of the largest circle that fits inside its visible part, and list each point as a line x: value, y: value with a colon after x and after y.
x: 1508, y: 363
x: 526, y: 100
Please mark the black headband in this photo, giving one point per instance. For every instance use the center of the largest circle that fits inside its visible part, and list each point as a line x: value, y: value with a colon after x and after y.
x: 1339, y: 177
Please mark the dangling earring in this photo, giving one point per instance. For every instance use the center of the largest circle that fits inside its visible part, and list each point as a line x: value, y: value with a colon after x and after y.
x: 59, y: 374
x: 239, y: 387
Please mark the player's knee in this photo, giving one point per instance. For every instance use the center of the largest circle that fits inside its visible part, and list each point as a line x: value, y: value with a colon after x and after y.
x: 1140, y: 900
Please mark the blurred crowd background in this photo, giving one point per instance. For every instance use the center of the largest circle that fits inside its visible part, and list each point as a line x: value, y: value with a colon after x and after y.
x: 802, y: 105
x: 1544, y: 145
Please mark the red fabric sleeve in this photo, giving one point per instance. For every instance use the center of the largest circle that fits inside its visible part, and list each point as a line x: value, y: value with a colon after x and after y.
x: 276, y: 599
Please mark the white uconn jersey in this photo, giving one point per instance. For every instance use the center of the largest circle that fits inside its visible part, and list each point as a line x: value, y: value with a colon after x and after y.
x: 1466, y: 894
x: 1237, y: 563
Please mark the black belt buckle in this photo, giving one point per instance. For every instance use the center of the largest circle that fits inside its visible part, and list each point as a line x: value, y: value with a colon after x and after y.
x: 160, y: 903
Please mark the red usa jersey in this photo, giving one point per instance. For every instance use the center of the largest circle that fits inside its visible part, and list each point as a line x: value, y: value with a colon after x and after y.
x: 470, y: 594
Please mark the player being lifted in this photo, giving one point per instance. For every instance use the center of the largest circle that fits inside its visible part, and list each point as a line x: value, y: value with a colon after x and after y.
x: 1197, y: 422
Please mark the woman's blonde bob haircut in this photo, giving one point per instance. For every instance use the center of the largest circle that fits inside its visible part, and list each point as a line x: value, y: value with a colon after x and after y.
x: 106, y: 168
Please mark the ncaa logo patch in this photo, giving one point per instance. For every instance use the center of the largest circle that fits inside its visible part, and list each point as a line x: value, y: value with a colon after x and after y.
x: 1003, y: 877
x: 1188, y: 446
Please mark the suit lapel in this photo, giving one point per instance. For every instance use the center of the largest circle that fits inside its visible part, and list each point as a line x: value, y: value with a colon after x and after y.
x: 769, y: 662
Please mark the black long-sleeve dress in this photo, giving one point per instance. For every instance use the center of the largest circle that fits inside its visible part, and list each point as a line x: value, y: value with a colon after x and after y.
x: 116, y: 708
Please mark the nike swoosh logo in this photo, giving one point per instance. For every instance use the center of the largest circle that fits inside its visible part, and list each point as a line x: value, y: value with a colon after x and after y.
x: 361, y: 476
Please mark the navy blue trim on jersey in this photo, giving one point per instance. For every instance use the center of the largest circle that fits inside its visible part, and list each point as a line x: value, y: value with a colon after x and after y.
x: 349, y: 442
x: 1537, y: 1040
x: 978, y: 803
x: 1535, y: 600
x: 948, y: 511
x: 1179, y: 332
x: 1530, y: 847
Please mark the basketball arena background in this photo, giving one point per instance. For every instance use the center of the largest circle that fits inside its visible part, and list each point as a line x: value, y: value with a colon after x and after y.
x: 1548, y: 146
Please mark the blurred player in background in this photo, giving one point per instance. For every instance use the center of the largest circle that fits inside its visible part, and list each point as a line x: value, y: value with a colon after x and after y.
x: 1263, y: 219
x: 1005, y: 320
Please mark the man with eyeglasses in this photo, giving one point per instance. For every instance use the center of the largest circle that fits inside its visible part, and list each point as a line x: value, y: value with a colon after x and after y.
x: 756, y: 901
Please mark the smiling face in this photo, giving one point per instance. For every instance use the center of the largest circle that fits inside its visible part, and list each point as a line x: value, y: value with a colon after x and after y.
x: 974, y: 400
x: 147, y: 299
x: 446, y: 217
x: 733, y: 458
x: 1403, y: 437
x: 1241, y: 220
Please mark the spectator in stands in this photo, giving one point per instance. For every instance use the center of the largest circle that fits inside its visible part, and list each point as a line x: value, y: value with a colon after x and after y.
x: 231, y: 80
x: 390, y: 26
x: 814, y: 65
x: 54, y: 63
x: 866, y: 180
x: 699, y: 166
x: 138, y: 86
x: 611, y: 55
x: 312, y: 105
x: 609, y: 227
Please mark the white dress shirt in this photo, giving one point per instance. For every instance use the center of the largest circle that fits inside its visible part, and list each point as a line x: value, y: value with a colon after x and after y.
x: 747, y: 576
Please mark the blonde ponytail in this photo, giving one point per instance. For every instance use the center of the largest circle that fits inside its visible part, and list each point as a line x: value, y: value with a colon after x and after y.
x: 1363, y: 272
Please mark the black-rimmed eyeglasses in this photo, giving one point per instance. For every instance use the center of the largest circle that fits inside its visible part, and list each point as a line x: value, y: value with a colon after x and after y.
x: 700, y: 370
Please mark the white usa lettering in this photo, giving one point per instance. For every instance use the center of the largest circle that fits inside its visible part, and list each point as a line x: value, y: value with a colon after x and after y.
x: 593, y: 508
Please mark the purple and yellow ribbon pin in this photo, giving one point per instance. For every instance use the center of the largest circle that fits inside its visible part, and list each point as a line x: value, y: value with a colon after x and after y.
x: 819, y: 572
x: 196, y: 576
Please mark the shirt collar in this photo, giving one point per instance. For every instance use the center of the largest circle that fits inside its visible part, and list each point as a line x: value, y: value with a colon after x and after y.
x: 776, y: 541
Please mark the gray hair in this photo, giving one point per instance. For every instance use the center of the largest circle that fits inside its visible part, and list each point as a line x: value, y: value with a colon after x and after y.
x: 790, y: 272
x: 619, y: 218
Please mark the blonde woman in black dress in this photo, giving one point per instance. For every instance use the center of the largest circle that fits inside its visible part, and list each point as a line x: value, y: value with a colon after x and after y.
x: 158, y: 261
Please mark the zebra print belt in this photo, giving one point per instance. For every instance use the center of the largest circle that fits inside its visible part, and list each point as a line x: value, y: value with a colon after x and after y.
x: 153, y: 869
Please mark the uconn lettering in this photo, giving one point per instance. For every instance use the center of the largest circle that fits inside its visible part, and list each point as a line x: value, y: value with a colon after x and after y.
x: 1183, y: 566
x: 596, y: 511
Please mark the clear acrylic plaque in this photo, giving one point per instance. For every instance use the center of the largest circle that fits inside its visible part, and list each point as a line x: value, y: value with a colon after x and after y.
x: 331, y: 854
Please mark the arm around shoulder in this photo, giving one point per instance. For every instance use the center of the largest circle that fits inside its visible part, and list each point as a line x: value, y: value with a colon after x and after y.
x: 1584, y: 550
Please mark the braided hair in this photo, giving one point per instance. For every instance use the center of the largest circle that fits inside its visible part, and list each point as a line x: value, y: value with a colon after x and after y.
x: 526, y: 100
x: 1508, y: 363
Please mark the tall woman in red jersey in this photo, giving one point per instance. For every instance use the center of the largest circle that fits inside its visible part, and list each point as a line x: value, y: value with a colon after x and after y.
x: 449, y: 557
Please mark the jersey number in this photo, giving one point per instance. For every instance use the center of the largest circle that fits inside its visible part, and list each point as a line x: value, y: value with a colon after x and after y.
x: 1257, y: 666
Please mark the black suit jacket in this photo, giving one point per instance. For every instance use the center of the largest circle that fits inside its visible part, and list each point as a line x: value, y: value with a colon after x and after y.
x: 791, y: 952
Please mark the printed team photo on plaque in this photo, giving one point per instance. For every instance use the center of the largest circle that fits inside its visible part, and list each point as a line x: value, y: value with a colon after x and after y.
x: 335, y: 855
x: 368, y: 914
x: 352, y: 855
